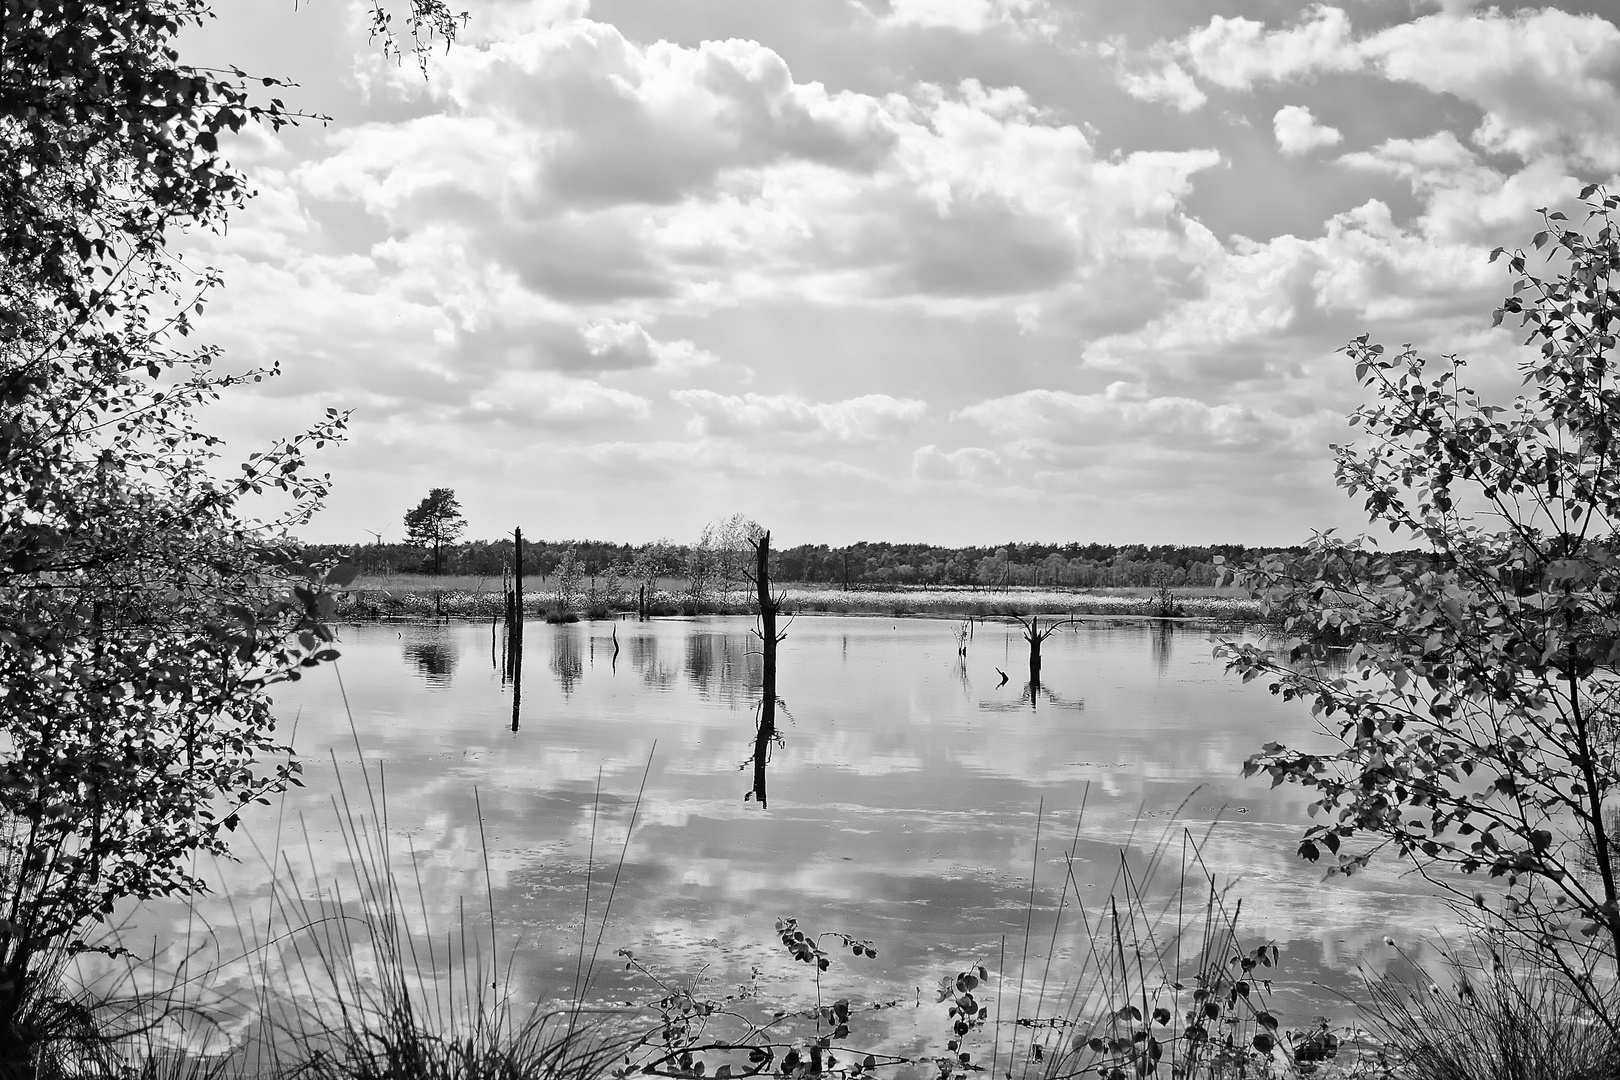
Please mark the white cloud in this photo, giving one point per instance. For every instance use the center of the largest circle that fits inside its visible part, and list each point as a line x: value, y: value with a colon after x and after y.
x: 625, y: 344
x: 871, y: 418
x: 1108, y: 419
x: 546, y: 399
x: 968, y: 16
x: 1544, y: 78
x: 973, y: 463
x: 1299, y: 133
x: 1235, y: 53
x: 1168, y: 82
x: 572, y: 169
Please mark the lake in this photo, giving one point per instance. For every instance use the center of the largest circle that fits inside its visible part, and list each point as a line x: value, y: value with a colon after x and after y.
x: 904, y: 798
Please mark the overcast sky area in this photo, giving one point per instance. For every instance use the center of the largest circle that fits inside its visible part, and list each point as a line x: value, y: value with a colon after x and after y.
x: 956, y: 271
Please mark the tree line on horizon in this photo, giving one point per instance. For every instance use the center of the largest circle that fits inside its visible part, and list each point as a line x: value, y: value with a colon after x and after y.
x: 865, y: 563
x: 435, y: 524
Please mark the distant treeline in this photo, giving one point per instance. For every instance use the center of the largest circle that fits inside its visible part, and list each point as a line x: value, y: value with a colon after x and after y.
x: 867, y: 563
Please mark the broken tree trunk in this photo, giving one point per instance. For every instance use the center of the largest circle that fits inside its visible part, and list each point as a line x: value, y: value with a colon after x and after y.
x: 768, y: 642
x: 514, y: 627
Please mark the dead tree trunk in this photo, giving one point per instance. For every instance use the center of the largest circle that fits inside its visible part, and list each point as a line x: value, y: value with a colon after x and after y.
x: 514, y: 627
x: 1036, y: 637
x: 768, y: 641
x: 1033, y: 636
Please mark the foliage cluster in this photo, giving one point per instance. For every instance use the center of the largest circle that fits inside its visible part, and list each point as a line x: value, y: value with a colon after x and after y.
x: 1475, y: 725
x: 144, y: 613
x: 434, y: 522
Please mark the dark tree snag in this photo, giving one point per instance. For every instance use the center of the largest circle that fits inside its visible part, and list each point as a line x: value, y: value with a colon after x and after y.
x: 1035, y: 636
x: 769, y: 638
x: 514, y: 627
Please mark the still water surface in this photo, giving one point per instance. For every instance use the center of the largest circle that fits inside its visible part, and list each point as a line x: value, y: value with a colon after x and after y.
x: 902, y: 798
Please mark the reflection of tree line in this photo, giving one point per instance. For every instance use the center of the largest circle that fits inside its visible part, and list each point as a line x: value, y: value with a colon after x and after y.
x: 715, y: 662
x: 435, y: 659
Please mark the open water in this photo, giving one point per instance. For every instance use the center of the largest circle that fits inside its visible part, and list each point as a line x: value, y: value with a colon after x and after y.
x: 909, y: 798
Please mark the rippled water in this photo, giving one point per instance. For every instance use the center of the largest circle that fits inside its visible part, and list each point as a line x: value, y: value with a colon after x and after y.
x: 904, y: 797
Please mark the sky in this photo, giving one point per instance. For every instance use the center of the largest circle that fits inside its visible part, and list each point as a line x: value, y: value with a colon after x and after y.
x: 946, y: 271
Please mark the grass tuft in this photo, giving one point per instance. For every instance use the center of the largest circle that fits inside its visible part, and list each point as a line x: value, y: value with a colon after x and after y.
x: 1490, y: 1018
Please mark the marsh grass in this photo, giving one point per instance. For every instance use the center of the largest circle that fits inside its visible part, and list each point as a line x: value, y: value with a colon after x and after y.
x: 1492, y: 1015
x: 380, y: 992
x: 351, y: 979
x: 1162, y: 982
x: 341, y: 974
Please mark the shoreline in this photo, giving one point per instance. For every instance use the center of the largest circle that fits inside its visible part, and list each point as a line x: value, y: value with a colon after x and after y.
x: 365, y: 603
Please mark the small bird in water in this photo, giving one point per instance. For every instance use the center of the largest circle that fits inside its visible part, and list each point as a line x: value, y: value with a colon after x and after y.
x: 1003, y: 675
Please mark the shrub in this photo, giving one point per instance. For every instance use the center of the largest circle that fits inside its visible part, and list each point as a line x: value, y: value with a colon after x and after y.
x: 1476, y: 725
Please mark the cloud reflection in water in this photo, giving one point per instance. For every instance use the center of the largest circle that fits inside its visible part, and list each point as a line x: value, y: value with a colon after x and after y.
x: 899, y: 809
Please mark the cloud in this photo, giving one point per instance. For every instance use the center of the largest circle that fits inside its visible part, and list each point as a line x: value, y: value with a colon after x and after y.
x: 967, y: 16
x: 574, y: 168
x: 626, y: 344
x: 1235, y: 53
x: 1106, y: 420
x: 1168, y: 82
x: 548, y: 400
x: 871, y: 418
x: 668, y: 460
x: 1465, y: 200
x: 618, y: 122
x: 1299, y: 133
x: 1547, y: 81
x: 973, y: 463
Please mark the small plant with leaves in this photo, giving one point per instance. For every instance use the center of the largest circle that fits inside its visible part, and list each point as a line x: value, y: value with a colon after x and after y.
x: 965, y: 1015
x: 699, y: 1036
x: 1225, y: 1028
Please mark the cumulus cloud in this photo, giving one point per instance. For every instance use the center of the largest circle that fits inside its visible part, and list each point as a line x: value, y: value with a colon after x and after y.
x: 973, y: 463
x: 546, y: 399
x: 968, y: 16
x: 626, y: 344
x: 1235, y: 53
x: 1271, y: 314
x: 594, y: 171
x: 1298, y: 132
x: 1544, y: 78
x: 1168, y: 81
x: 1109, y: 419
x: 1547, y: 80
x: 870, y: 418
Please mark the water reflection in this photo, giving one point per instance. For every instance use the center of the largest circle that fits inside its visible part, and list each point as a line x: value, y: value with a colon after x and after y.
x: 567, y: 662
x: 902, y: 808
x: 644, y: 659
x: 1031, y: 697
x: 718, y: 663
x: 1162, y: 639
x: 766, y: 739
x: 434, y: 658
